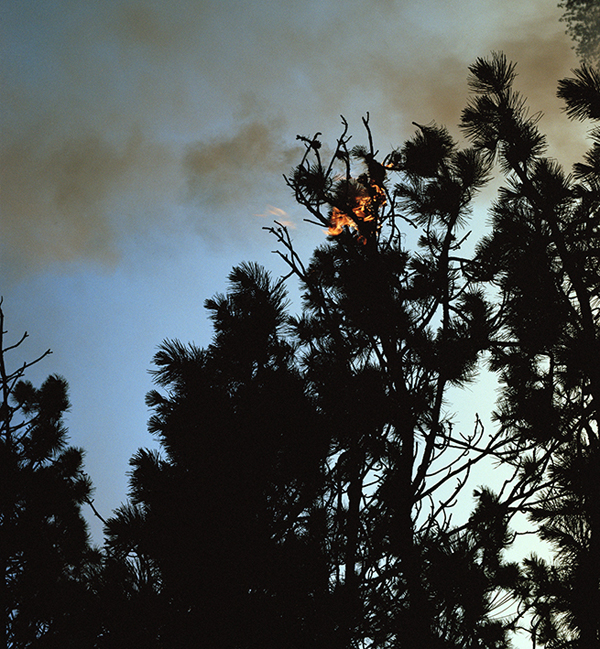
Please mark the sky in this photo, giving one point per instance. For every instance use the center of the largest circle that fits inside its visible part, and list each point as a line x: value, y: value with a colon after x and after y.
x: 142, y: 150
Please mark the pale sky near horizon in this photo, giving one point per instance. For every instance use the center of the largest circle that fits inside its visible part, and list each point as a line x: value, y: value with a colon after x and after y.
x: 142, y: 150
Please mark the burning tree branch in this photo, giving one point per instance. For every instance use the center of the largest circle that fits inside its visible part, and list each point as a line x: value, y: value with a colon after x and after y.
x: 396, y: 324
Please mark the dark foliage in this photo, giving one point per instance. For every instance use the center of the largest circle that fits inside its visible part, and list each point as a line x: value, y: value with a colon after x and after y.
x: 308, y: 468
x: 289, y: 505
x: 227, y: 521
x: 45, y: 557
x: 391, y: 320
x: 583, y: 25
x: 543, y: 256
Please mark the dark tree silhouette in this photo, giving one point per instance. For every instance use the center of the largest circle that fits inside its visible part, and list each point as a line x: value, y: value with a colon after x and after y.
x: 227, y: 522
x: 304, y: 491
x: 391, y: 320
x: 583, y: 25
x: 582, y: 96
x: 543, y: 255
x: 309, y: 465
x: 45, y: 556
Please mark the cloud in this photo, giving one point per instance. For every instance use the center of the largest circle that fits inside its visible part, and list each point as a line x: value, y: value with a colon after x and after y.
x: 67, y: 199
x: 226, y: 169
x: 120, y: 114
x: 273, y: 213
x: 234, y: 176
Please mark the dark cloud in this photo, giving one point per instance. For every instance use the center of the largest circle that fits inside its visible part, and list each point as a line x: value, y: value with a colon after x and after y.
x: 423, y: 91
x: 226, y: 169
x: 237, y: 178
x: 67, y: 199
x: 118, y: 113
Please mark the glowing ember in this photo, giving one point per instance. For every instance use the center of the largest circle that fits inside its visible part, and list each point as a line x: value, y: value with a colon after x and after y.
x: 364, y: 211
x: 338, y: 221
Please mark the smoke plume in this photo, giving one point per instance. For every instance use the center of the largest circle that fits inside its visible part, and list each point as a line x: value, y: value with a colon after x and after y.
x: 120, y: 116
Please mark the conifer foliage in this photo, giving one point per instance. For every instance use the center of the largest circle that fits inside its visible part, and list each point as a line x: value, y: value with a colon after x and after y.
x: 309, y: 464
x: 583, y: 25
x: 309, y: 467
x: 228, y: 516
x: 45, y: 557
x: 391, y: 320
x: 543, y: 255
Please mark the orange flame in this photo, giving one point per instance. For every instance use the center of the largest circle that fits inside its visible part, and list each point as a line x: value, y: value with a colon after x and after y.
x: 338, y: 221
x: 364, y: 211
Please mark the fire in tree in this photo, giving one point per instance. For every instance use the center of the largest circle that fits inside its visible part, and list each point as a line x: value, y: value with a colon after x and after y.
x: 365, y: 211
x: 355, y: 202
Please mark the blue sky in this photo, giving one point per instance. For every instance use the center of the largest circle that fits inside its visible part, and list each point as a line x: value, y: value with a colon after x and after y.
x: 143, y: 147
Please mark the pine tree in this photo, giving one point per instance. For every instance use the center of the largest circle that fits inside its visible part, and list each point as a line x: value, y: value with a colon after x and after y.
x: 309, y: 466
x: 543, y: 257
x: 227, y: 517
x: 391, y: 320
x: 45, y: 556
